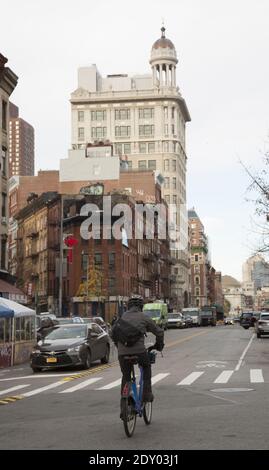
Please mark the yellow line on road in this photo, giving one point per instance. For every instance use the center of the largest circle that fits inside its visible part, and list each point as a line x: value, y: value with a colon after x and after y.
x: 174, y: 343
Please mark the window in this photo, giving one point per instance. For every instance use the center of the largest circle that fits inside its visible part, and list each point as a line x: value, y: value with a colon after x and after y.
x: 111, y: 283
x: 122, y: 131
x: 146, y: 130
x: 196, y: 258
x: 197, y: 302
x: 166, y: 146
x: 166, y: 129
x: 84, y: 262
x: 118, y: 149
x: 151, y: 147
x: 167, y: 198
x: 98, y: 132
x: 142, y: 147
x: 126, y: 148
x: 197, y: 291
x: 81, y: 133
x: 197, y: 280
x: 4, y: 203
x: 152, y: 164
x: 173, y: 112
x: 130, y: 164
x: 98, y: 259
x: 142, y: 164
x: 80, y: 116
x: 146, y: 113
x: 166, y: 183
x: 174, y: 183
x: 166, y: 165
x: 98, y: 115
x: 174, y: 199
x: 173, y: 128
x: 165, y: 111
x: 4, y: 158
x: 4, y: 115
x: 121, y: 114
x: 111, y: 260
x: 174, y: 165
x: 3, y: 253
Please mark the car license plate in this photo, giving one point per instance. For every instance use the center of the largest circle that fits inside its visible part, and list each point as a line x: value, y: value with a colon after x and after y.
x: 51, y: 359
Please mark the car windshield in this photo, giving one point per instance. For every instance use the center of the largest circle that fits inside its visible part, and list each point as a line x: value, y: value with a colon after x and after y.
x: 247, y: 315
x: 192, y: 313
x: 206, y: 312
x: 152, y: 313
x: 174, y: 315
x: 264, y: 317
x: 67, y: 332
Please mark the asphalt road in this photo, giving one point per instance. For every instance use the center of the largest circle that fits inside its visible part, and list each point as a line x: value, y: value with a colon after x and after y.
x: 198, y: 402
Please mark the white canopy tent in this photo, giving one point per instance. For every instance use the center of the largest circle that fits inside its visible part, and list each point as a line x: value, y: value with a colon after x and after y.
x: 19, y: 310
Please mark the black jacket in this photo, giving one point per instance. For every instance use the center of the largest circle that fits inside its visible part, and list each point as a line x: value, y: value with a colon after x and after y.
x: 144, y: 324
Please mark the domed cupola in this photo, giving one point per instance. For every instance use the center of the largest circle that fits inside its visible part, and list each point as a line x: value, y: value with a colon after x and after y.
x: 163, y: 60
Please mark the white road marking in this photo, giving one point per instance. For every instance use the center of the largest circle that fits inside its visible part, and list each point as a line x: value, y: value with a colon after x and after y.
x: 256, y: 376
x: 244, y: 353
x: 190, y: 378
x: 12, y: 389
x: 224, y: 377
x: 38, y: 376
x: 43, y: 389
x: 82, y: 385
x: 116, y: 383
x: 158, y: 377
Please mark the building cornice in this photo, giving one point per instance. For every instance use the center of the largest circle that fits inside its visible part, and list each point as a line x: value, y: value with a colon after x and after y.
x: 82, y: 97
x: 8, y: 80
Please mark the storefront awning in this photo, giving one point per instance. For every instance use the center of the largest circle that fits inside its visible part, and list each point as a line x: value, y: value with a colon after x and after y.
x: 6, y: 312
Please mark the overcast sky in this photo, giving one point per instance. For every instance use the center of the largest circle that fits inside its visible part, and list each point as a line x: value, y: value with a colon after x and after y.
x: 223, y: 74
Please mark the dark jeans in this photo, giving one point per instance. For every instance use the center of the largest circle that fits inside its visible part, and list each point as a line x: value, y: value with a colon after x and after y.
x: 126, y: 368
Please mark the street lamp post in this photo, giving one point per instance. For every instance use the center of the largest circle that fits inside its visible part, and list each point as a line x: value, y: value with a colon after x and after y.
x: 61, y: 256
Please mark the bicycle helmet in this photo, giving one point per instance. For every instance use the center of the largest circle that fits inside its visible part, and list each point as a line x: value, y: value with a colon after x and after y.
x: 136, y: 301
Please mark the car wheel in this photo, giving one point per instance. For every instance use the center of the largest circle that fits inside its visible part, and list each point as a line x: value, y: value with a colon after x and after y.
x: 105, y: 359
x: 36, y: 369
x: 246, y: 327
x: 87, y: 361
x: 258, y: 335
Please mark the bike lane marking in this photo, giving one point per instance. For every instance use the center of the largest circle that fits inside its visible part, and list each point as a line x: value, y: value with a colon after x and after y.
x: 191, y: 378
x: 244, y: 353
x: 116, y: 383
x: 256, y: 376
x: 159, y: 377
x: 12, y: 389
x: 224, y: 377
x: 82, y: 385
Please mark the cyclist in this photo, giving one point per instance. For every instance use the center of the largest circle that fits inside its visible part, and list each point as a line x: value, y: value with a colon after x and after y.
x: 135, y: 316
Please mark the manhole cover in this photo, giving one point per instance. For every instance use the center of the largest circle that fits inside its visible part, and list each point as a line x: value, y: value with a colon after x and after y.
x: 231, y: 390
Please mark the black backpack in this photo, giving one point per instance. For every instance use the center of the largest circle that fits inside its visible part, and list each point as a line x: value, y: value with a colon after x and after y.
x: 125, y: 333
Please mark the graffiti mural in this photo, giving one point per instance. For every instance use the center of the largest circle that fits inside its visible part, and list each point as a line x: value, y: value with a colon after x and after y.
x: 5, y: 355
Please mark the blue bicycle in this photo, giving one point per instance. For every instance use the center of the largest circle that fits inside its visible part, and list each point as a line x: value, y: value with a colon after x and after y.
x: 132, y: 404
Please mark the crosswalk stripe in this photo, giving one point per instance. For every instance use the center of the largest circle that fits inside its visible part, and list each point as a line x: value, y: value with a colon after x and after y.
x: 256, y: 376
x: 191, y: 378
x: 12, y: 389
x: 158, y: 377
x: 224, y: 377
x: 42, y: 389
x: 82, y: 385
x: 116, y: 383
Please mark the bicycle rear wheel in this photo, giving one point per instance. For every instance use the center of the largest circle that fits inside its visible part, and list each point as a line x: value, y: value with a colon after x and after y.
x: 147, y: 412
x: 129, y: 416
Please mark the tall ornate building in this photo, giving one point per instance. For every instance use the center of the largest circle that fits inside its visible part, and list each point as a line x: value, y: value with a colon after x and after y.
x: 144, y: 116
x: 8, y: 81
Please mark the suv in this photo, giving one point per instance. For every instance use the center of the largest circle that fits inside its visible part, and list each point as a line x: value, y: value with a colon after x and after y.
x: 262, y: 324
x: 247, y: 319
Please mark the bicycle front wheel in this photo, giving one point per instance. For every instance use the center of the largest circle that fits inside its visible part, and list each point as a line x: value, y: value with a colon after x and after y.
x: 147, y: 412
x: 129, y: 416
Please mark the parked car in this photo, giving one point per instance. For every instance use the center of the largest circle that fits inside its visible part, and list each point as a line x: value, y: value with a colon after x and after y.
x: 176, y: 320
x: 262, y: 324
x: 67, y: 320
x: 71, y: 345
x: 236, y: 320
x: 188, y: 321
x: 247, y: 319
x: 228, y: 321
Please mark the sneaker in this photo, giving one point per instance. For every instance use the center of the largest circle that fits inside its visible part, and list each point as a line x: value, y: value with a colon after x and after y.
x: 148, y: 396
